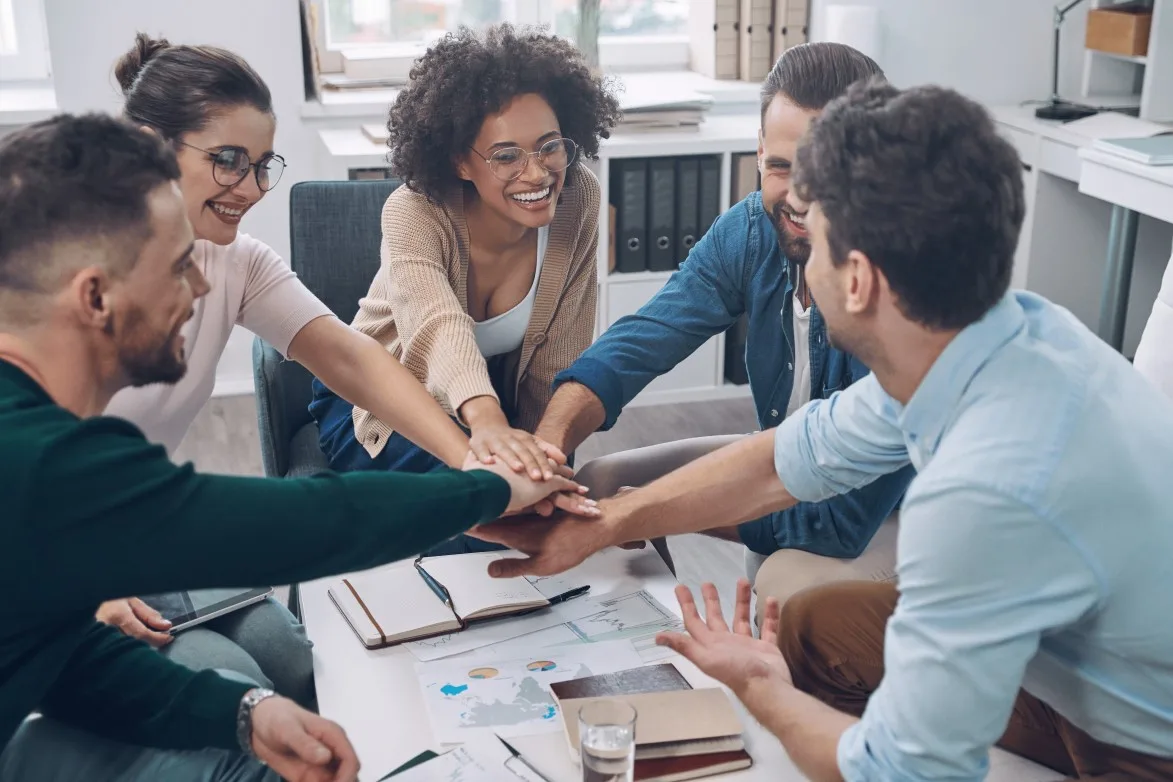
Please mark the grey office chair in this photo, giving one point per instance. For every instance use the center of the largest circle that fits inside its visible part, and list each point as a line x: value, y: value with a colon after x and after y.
x: 335, y: 232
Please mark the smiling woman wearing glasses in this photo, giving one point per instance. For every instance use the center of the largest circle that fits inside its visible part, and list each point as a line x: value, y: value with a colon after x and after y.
x: 218, y: 115
x: 487, y: 283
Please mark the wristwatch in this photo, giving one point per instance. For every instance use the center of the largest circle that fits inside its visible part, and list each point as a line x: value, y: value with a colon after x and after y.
x: 244, y: 719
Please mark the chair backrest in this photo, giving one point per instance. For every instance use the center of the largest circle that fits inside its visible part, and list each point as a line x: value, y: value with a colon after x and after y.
x: 334, y: 236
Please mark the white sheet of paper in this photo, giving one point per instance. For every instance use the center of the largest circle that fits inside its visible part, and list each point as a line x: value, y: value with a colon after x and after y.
x: 634, y: 616
x: 494, y: 631
x: 470, y: 698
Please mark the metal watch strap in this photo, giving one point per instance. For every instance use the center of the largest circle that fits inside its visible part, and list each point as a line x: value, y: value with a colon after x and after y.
x: 244, y: 718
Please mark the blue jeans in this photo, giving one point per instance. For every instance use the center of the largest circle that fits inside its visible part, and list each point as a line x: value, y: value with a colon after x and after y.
x: 346, y: 454
x: 263, y: 642
x: 46, y: 750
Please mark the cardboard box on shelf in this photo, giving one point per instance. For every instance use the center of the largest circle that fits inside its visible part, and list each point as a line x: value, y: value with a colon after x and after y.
x: 1122, y: 29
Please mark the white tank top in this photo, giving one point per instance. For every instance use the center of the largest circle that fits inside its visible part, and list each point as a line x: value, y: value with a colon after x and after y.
x: 505, y: 332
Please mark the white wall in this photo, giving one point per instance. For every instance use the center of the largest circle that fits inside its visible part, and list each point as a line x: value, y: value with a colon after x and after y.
x: 997, y: 51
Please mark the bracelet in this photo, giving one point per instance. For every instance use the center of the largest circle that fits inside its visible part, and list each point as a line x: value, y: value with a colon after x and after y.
x: 244, y: 719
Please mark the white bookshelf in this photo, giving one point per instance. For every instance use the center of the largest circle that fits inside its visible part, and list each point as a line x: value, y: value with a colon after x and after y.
x: 701, y: 377
x: 1144, y: 82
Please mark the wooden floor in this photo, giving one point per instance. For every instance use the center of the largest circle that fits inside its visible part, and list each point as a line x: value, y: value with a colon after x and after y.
x: 224, y: 439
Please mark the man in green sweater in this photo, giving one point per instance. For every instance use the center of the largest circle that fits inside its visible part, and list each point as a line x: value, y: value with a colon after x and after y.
x: 96, y: 281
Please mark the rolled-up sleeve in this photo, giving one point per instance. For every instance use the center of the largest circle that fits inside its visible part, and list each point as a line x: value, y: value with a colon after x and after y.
x: 971, y: 613
x: 832, y: 446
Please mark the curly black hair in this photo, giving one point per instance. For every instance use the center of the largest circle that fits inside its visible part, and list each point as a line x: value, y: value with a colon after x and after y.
x: 467, y: 76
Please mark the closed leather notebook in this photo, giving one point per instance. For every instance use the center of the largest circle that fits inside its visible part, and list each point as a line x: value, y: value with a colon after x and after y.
x: 679, y: 769
x: 653, y: 678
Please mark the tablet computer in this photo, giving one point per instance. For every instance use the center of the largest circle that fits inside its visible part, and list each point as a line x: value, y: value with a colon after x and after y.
x: 196, y: 606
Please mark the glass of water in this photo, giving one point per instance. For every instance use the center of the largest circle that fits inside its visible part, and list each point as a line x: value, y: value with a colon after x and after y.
x: 606, y: 735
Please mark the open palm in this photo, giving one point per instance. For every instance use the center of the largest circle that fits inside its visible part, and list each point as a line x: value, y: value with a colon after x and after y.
x: 733, y: 657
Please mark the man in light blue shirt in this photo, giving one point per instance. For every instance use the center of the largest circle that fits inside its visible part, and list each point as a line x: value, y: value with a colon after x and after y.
x: 1035, y: 555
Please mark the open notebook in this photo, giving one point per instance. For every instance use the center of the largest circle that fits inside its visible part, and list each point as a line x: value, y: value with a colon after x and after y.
x: 439, y: 595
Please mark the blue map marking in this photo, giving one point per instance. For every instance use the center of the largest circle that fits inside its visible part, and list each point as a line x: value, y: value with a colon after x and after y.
x: 453, y: 689
x: 551, y: 712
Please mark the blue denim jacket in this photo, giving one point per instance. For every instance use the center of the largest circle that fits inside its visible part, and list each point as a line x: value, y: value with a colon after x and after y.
x: 736, y: 268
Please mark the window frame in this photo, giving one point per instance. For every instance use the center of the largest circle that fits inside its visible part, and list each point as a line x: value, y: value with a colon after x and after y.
x: 31, y: 62
x: 616, y: 53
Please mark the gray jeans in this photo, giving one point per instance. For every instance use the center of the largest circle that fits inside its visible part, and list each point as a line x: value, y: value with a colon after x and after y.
x: 263, y: 642
x: 46, y: 750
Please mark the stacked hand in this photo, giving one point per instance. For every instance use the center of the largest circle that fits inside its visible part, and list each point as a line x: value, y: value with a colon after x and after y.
x: 526, y: 493
x: 517, y: 449
x: 136, y: 619
x: 554, y: 545
x: 736, y: 659
x: 300, y: 745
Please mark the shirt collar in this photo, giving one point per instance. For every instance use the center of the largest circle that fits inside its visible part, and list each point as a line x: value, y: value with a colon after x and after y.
x: 935, y: 401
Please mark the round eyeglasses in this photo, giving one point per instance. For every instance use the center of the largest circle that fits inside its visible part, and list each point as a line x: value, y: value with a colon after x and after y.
x: 231, y: 164
x: 508, y: 164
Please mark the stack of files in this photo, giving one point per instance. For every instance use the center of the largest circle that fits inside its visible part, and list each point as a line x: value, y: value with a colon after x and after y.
x: 663, y: 206
x: 713, y: 38
x: 791, y: 20
x: 756, y: 50
x: 439, y: 595
x: 646, y: 108
x: 681, y: 733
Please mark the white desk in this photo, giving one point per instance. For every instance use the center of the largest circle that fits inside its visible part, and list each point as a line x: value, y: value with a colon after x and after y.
x: 375, y: 695
x: 1049, y: 148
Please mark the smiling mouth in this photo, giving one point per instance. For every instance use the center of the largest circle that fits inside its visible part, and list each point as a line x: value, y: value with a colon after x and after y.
x: 227, y: 211
x: 533, y: 196
x: 795, y: 221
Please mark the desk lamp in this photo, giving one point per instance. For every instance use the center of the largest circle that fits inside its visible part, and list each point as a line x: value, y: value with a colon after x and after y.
x: 1056, y: 108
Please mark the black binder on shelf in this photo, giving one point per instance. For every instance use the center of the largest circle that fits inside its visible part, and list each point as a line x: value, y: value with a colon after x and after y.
x: 662, y: 214
x: 735, y: 339
x: 630, y: 194
x: 710, y: 192
x: 688, y: 186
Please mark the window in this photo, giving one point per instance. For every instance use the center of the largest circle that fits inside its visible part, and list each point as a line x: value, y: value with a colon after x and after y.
x: 24, y: 55
x: 620, y: 18
x: 359, y: 22
x: 635, y: 34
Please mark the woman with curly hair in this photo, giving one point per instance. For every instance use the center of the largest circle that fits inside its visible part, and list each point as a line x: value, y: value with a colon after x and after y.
x: 486, y: 287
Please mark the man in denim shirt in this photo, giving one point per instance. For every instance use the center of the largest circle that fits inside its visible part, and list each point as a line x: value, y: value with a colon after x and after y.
x: 751, y: 261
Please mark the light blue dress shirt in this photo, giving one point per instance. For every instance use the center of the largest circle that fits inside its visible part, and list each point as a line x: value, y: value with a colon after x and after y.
x: 1035, y: 545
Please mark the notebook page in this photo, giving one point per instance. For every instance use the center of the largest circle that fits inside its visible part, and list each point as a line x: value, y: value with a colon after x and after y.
x: 399, y: 600
x: 474, y: 591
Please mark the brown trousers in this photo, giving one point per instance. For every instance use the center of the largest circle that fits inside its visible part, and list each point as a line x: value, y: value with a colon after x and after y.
x: 833, y: 640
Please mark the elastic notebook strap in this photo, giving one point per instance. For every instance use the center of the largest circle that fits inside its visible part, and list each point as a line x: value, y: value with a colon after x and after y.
x: 367, y: 611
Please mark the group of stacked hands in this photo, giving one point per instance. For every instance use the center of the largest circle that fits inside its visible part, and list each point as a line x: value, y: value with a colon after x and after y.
x: 1029, y: 460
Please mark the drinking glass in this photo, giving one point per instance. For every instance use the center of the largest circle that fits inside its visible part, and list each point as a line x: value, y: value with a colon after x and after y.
x: 606, y: 735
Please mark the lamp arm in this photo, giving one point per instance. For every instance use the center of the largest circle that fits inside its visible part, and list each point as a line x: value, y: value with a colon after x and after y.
x: 1060, y: 14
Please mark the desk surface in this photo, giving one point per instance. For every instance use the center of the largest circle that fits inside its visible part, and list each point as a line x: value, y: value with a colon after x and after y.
x: 375, y: 695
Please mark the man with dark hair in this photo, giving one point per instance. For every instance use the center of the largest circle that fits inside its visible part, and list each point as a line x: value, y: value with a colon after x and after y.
x: 749, y: 263
x: 96, y: 282
x: 1033, y: 603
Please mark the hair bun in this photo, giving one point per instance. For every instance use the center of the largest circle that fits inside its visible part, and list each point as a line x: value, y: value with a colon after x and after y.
x: 131, y: 64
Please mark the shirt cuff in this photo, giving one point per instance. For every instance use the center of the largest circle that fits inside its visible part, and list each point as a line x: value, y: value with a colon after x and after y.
x: 793, y: 456
x: 602, y: 380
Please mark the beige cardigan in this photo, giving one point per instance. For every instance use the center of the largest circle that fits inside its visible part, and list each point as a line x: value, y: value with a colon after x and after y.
x: 417, y: 306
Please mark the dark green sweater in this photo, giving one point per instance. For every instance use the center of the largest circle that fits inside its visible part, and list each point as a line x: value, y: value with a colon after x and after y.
x: 90, y: 511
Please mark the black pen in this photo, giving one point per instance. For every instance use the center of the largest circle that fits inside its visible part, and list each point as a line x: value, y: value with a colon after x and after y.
x: 576, y: 592
x: 517, y: 756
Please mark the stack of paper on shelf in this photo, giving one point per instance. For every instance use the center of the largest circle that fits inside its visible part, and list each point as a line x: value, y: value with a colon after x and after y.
x: 647, y: 109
